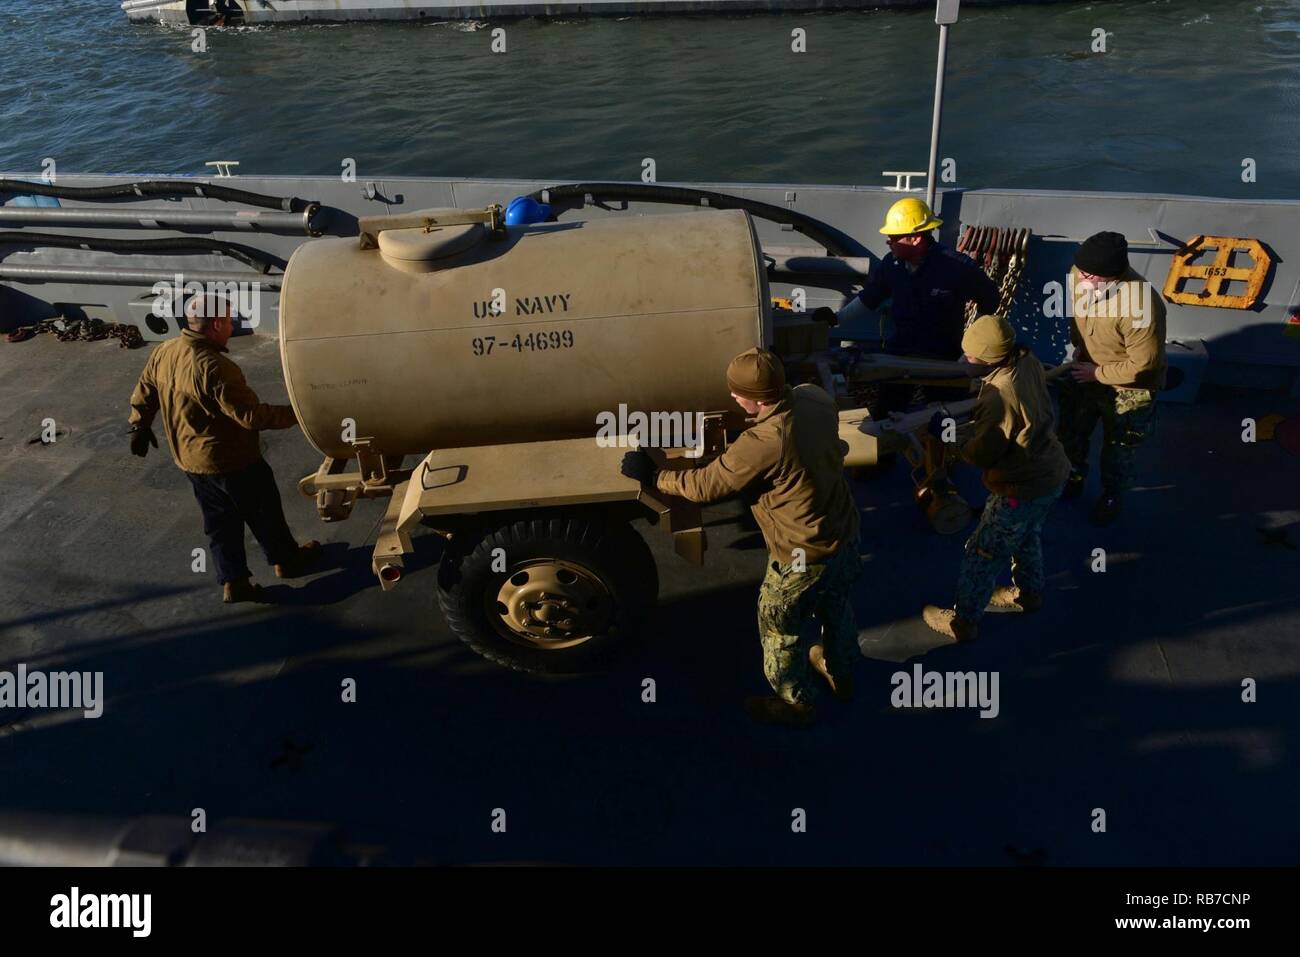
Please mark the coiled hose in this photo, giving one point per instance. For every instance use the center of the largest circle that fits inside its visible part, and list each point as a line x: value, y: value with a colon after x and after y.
x: 146, y: 189
x: 836, y: 242
x: 253, y: 258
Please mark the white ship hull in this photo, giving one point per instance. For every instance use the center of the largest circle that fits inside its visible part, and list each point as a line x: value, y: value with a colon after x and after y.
x: 299, y: 11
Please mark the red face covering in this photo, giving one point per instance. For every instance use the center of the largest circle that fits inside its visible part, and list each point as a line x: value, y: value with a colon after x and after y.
x: 909, y: 252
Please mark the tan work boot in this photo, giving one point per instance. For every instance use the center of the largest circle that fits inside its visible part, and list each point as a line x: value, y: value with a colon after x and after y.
x: 842, y: 688
x: 241, y: 589
x: 1013, y: 598
x: 774, y: 710
x: 946, y: 622
x: 301, y: 563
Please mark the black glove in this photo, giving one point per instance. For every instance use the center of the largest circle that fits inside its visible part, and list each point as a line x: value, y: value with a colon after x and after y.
x: 638, y: 465
x: 141, y: 439
x: 936, y: 423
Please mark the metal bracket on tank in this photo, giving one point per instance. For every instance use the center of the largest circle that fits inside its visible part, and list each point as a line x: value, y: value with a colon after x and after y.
x: 332, y: 488
x: 336, y: 490
x: 371, y: 464
x: 714, y: 434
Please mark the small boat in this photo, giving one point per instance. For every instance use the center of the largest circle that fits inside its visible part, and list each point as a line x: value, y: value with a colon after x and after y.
x: 240, y: 12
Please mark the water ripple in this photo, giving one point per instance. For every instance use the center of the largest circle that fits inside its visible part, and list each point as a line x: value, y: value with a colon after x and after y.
x: 713, y: 99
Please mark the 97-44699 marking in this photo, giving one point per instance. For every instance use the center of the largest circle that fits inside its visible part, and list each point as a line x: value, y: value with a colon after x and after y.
x: 533, y: 342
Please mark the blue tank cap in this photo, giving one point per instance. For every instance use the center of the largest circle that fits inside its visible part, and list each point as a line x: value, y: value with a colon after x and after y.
x: 524, y: 210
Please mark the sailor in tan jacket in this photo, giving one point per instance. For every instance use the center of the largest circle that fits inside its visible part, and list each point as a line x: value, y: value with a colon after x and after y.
x: 1118, y: 331
x: 211, y: 419
x: 790, y: 465
x: 1024, y: 468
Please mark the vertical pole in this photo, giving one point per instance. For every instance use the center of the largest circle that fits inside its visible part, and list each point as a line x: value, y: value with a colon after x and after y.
x: 938, y: 115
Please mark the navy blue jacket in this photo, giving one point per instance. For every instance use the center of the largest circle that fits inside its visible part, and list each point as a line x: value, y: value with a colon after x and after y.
x: 929, y: 306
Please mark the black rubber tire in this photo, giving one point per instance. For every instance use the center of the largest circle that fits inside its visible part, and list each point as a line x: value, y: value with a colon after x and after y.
x: 611, y: 550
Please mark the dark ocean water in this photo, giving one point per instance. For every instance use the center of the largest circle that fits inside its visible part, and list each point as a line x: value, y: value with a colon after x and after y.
x: 1186, y: 91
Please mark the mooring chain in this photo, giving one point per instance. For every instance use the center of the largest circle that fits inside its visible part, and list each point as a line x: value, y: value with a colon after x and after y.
x: 90, y: 330
x: 1002, y: 254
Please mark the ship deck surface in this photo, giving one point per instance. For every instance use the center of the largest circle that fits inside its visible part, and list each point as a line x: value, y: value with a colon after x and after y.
x: 1124, y: 693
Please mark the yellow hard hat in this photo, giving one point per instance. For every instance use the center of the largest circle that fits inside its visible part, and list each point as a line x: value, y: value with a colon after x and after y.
x: 909, y: 215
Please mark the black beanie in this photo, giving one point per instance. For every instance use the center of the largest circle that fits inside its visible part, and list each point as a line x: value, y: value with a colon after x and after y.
x: 1103, y: 254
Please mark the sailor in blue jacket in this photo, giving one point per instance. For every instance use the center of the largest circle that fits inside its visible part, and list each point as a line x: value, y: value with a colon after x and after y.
x: 928, y: 284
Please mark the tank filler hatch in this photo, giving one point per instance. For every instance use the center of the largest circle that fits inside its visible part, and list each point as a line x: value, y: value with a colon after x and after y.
x: 422, y: 249
x: 370, y: 227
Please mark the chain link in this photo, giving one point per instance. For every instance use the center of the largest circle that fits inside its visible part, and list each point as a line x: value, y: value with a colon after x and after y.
x: 1003, y: 254
x: 90, y: 330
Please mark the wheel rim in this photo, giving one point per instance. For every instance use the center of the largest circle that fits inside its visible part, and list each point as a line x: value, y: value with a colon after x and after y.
x: 551, y: 605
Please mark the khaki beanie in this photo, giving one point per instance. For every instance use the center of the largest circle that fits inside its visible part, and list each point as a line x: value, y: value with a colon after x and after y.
x: 756, y: 374
x: 990, y: 339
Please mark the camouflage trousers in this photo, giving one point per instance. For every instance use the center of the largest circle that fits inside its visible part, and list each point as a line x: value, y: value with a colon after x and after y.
x: 1009, y: 530
x: 1127, y: 418
x: 788, y: 601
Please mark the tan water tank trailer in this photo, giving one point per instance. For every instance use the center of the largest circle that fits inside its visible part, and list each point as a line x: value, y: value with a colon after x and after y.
x: 488, y: 354
x: 457, y: 335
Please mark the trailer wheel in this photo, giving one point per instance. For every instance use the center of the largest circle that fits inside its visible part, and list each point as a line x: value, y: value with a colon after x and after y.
x: 553, y: 595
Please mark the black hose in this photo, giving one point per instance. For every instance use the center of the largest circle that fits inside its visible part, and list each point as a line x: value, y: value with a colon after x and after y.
x: 150, y: 188
x: 836, y: 242
x: 253, y: 258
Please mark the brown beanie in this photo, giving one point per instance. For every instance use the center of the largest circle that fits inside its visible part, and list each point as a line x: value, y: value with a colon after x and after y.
x: 990, y: 339
x: 756, y: 374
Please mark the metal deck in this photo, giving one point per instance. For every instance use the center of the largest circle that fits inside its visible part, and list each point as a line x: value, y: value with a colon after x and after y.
x: 1123, y: 694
